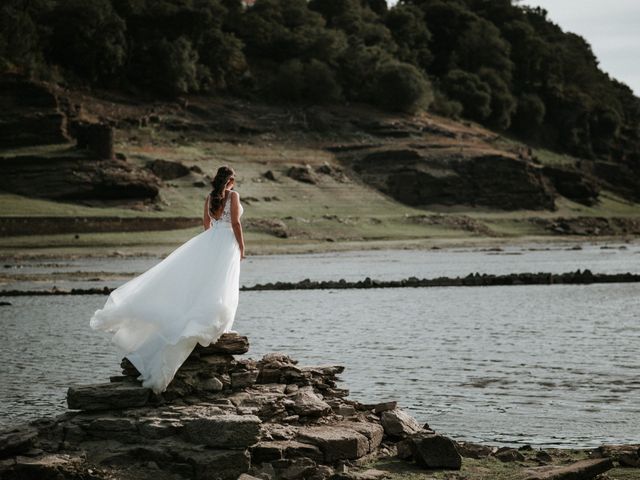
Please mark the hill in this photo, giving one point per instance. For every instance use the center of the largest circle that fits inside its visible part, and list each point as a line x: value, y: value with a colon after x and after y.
x: 320, y: 177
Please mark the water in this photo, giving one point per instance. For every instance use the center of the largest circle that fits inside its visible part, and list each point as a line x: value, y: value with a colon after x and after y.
x: 544, y: 365
x: 380, y: 264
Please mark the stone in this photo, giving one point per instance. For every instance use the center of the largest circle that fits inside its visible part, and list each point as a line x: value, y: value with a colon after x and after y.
x: 155, y: 428
x: 298, y: 468
x: 373, y: 431
x: 434, y: 451
x: 398, y: 423
x: 629, y: 460
x: 244, y: 379
x: 269, y: 175
x: 267, y: 451
x: 167, y: 170
x: 508, y: 455
x: 303, y: 173
x: 307, y: 403
x: 16, y: 440
x: 229, y: 343
x: 114, y: 428
x: 105, y: 396
x: 226, y: 431
x: 50, y: 466
x: 543, y: 457
x: 246, y: 476
x: 380, y: 407
x: 210, y: 464
x: 211, y: 384
x: 581, y: 470
x: 336, y: 443
x: 474, y: 450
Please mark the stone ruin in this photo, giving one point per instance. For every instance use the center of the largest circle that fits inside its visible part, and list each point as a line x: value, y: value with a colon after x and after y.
x: 221, y: 417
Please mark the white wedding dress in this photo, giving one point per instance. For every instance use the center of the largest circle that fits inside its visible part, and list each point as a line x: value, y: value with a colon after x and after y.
x: 190, y: 297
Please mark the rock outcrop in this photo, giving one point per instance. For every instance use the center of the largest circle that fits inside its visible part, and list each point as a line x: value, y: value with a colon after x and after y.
x: 70, y: 175
x: 420, y: 176
x: 221, y: 416
x: 29, y: 114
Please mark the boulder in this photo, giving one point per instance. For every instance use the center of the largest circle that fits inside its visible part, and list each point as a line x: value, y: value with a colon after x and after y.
x: 303, y: 173
x: 507, y: 454
x: 224, y: 431
x: 105, y: 396
x: 307, y: 403
x: 434, y: 451
x: 397, y: 423
x: 168, y: 170
x: 373, y: 431
x: 474, y: 450
x: 336, y: 443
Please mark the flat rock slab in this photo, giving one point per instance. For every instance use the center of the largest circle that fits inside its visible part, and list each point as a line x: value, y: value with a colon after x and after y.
x: 373, y: 431
x: 581, y: 470
x: 230, y: 343
x: 107, y: 396
x: 16, y: 441
x: 336, y: 443
x: 268, y: 451
x: 225, y: 431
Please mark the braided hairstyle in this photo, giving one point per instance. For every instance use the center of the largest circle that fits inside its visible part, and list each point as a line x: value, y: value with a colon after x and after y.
x: 216, y: 198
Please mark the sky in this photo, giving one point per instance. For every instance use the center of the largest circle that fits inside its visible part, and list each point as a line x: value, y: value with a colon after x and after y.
x: 612, y: 28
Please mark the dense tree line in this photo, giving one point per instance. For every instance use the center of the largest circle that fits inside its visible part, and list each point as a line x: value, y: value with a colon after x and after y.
x: 506, y: 66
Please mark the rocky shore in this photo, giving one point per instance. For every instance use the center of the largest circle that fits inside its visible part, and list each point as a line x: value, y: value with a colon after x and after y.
x: 225, y: 417
x: 579, y: 277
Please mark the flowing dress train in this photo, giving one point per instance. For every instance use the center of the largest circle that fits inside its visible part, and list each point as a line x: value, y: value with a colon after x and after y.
x: 189, y: 297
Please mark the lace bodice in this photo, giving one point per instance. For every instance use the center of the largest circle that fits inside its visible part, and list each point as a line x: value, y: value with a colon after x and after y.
x: 226, y: 213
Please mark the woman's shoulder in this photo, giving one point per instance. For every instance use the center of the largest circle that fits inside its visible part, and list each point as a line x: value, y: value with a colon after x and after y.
x: 234, y: 193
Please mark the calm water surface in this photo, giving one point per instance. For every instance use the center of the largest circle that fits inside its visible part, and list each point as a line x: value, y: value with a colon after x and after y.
x: 545, y: 365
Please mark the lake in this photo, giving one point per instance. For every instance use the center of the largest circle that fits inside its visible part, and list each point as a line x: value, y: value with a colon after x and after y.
x: 541, y: 365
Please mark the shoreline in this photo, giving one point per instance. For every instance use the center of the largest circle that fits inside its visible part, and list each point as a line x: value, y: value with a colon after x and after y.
x: 232, y: 418
x: 302, y: 248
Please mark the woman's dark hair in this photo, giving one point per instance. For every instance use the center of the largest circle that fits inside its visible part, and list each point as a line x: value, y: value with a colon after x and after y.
x: 216, y: 198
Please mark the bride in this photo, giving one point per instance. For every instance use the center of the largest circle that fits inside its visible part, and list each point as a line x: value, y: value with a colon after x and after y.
x: 190, y: 297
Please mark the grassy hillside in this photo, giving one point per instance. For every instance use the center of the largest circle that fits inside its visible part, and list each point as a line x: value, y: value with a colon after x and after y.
x: 339, y: 211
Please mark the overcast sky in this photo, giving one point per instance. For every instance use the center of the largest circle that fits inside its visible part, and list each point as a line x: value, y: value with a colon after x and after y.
x: 612, y: 28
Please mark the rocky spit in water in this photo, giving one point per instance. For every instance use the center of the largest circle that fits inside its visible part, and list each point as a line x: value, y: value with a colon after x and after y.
x: 226, y: 418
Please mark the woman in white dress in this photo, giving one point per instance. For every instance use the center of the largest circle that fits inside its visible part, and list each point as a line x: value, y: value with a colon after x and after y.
x: 189, y: 297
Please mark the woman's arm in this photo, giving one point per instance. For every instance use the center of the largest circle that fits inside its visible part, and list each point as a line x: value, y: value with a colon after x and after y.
x: 235, y: 221
x: 206, y: 219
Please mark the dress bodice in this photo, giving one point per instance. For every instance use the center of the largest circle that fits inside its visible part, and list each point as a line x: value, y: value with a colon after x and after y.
x: 225, y: 218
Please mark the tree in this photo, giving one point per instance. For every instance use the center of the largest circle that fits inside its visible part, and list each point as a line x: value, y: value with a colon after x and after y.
x: 87, y: 37
x: 402, y: 87
x: 468, y: 89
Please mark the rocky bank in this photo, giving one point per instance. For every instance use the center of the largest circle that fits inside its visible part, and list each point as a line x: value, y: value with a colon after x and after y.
x: 225, y: 417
